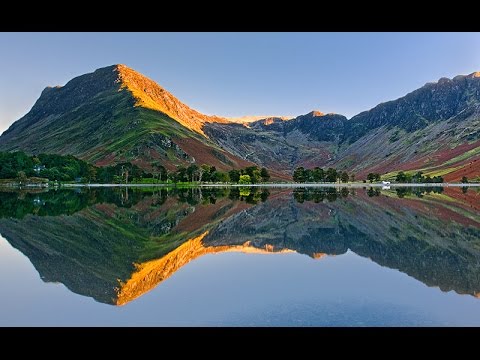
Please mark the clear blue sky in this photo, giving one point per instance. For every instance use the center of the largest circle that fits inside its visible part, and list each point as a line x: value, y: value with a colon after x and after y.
x: 236, y: 74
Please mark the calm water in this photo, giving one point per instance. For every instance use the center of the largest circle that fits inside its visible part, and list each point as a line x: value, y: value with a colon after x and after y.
x: 240, y: 256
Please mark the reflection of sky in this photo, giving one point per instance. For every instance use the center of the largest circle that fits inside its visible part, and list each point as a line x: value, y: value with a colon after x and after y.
x: 241, y: 289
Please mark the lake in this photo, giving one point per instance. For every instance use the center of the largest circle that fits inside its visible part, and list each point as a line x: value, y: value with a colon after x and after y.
x: 240, y: 257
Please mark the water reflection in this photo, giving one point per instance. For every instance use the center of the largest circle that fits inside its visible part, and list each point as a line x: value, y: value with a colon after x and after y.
x: 116, y: 244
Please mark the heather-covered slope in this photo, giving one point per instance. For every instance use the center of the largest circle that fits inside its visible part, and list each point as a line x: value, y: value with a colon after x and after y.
x: 308, y: 140
x: 434, y: 128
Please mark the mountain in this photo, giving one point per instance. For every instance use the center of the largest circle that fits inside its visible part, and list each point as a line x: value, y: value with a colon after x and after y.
x: 434, y: 129
x: 116, y: 114
x: 281, y: 144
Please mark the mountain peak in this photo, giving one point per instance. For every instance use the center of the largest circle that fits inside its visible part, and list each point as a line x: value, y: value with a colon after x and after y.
x: 473, y: 75
x: 126, y: 71
x: 315, y: 113
x: 149, y: 94
x: 254, y: 118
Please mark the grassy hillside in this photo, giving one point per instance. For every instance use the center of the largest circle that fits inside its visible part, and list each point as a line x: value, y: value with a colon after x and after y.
x: 103, y: 117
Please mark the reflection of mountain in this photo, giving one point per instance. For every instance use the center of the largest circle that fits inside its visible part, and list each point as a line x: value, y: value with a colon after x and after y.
x: 434, y: 239
x: 115, y: 251
x: 149, y: 274
x: 95, y: 249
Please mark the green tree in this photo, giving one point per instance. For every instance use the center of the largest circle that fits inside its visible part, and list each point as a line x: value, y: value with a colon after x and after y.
x: 244, y: 179
x: 401, y: 177
x: 318, y: 174
x: 91, y: 173
x: 464, y: 180
x: 192, y: 172
x: 299, y: 175
x: 205, y: 173
x: 181, y: 174
x: 162, y: 173
x: 21, y: 177
x: 308, y: 175
x: 344, y: 176
x: 212, y: 172
x: 373, y: 177
x: 352, y: 177
x: 221, y: 176
x: 234, y: 175
x: 159, y: 172
x: 254, y: 173
x: 331, y: 175
x: 264, y: 174
x: 418, y: 177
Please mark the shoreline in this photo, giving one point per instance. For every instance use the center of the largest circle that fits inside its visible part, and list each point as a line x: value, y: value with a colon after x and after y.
x: 284, y: 185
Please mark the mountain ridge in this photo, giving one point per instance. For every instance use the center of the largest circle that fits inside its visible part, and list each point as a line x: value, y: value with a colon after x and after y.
x: 152, y: 96
x: 117, y: 114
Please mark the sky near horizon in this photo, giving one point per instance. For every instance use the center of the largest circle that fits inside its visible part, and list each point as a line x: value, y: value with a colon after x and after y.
x: 239, y: 74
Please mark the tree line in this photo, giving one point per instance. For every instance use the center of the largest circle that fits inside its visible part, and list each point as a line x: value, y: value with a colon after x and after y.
x: 209, y: 173
x: 20, y: 166
x: 417, y: 178
x: 317, y: 174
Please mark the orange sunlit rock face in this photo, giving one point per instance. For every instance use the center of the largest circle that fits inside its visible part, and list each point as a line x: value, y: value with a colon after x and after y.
x: 150, y: 95
x: 149, y: 274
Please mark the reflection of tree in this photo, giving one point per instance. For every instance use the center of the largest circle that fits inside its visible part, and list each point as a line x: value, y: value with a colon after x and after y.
x: 344, y: 192
x: 418, y: 191
x: 244, y: 191
x: 373, y: 192
x: 264, y: 195
x: 332, y: 194
x: 319, y: 195
x: 234, y: 193
x: 17, y: 204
